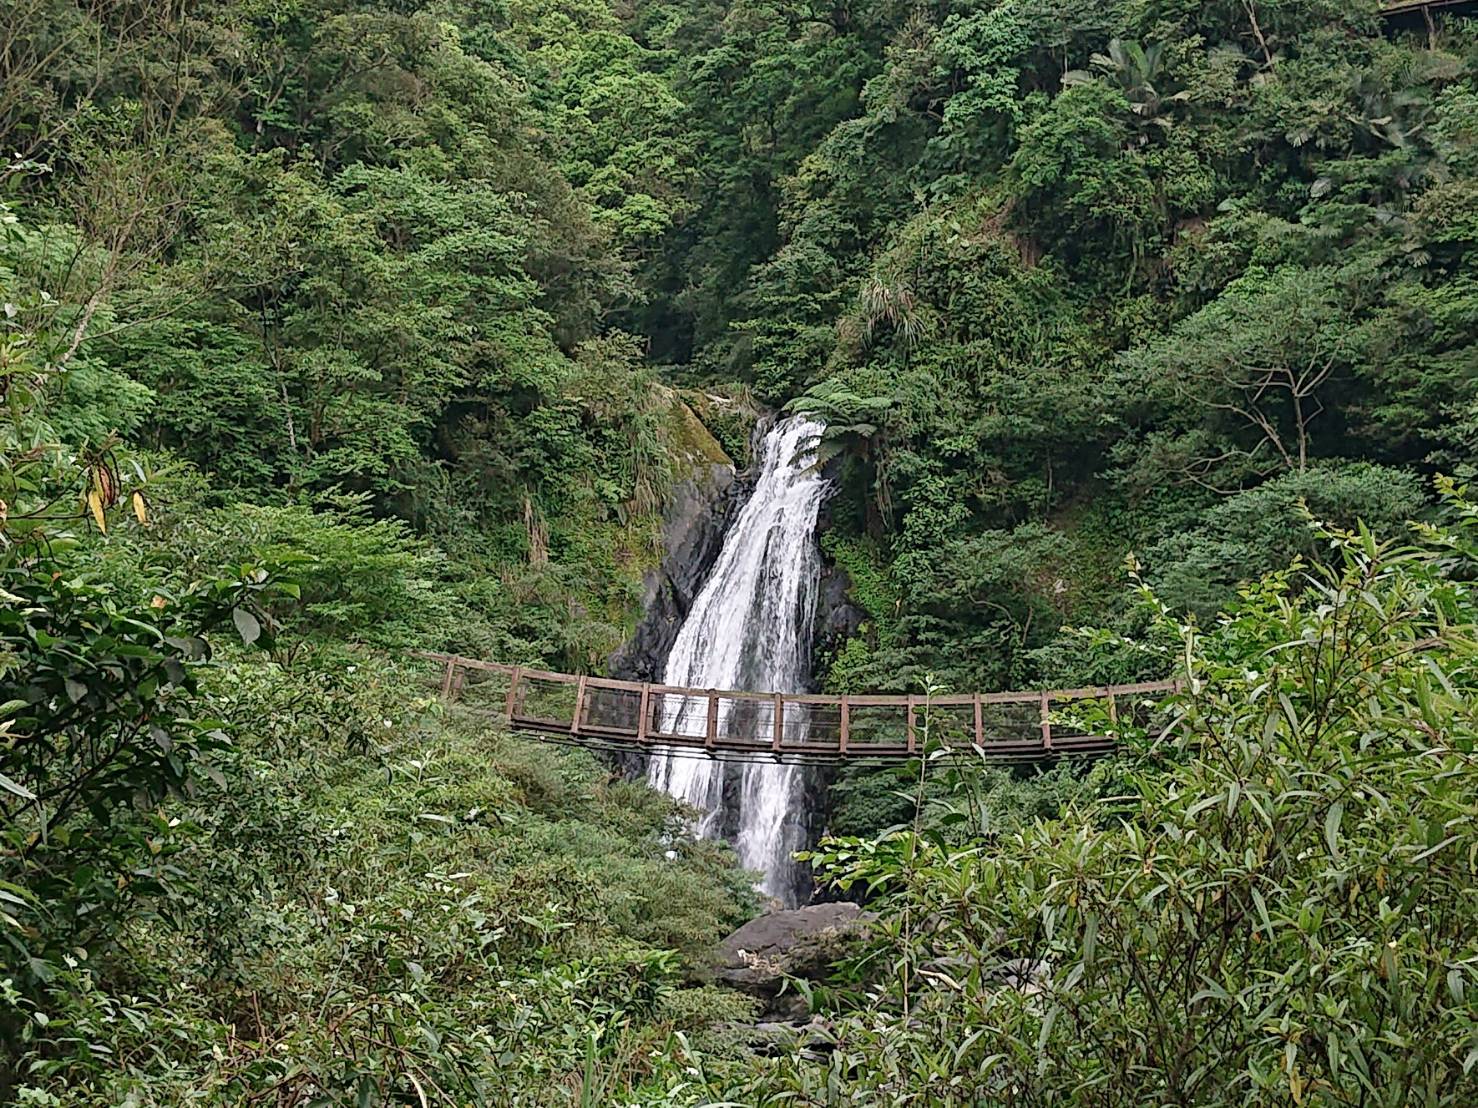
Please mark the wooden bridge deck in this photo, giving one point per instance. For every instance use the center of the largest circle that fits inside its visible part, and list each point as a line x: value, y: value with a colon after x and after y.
x: 1424, y: 10
x: 640, y: 717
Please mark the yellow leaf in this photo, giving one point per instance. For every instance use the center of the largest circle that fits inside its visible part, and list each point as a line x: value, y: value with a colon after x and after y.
x: 95, y: 503
x: 139, y: 508
x: 158, y: 602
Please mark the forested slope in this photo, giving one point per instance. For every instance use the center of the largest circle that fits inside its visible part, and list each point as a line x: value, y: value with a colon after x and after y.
x: 1072, y: 282
x: 335, y: 330
x: 1064, y: 283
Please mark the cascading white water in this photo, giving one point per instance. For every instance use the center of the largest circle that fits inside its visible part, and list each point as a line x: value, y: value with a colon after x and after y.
x: 750, y: 628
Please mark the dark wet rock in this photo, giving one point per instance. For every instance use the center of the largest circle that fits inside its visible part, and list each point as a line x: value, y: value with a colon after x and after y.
x: 700, y: 506
x: 802, y: 943
x: 837, y: 618
x: 699, y: 510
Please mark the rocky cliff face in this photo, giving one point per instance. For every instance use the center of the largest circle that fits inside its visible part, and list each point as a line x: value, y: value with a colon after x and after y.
x: 837, y: 618
x: 693, y: 525
x: 699, y: 508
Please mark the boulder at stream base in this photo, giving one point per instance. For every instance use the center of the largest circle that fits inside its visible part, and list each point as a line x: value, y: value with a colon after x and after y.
x: 799, y: 942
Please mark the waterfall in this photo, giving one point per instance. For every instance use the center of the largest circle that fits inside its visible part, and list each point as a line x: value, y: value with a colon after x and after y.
x: 750, y: 628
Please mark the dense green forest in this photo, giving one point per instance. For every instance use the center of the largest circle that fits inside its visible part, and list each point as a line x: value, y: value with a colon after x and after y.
x: 1146, y: 338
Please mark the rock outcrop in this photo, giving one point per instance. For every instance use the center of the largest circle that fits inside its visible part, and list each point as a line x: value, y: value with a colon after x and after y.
x: 695, y: 518
x: 837, y: 618
x: 759, y: 957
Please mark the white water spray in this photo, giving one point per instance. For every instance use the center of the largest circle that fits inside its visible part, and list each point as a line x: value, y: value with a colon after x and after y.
x: 750, y: 628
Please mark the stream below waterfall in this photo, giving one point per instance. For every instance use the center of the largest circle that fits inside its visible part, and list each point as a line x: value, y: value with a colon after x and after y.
x: 750, y: 628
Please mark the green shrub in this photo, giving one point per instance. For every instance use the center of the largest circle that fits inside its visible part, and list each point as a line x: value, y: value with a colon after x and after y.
x: 1280, y: 911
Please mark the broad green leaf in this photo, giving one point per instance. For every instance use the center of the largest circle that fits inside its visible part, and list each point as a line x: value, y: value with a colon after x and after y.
x: 247, y: 625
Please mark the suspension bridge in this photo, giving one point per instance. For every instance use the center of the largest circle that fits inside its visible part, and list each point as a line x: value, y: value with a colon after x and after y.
x: 645, y: 718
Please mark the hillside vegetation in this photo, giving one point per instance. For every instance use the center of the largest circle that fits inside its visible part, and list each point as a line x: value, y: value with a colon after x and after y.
x: 1144, y: 334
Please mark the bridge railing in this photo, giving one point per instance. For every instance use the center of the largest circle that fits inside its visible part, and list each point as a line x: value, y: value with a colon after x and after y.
x: 1025, y: 725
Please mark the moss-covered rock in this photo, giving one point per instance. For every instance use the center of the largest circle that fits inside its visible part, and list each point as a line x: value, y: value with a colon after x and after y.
x: 729, y: 419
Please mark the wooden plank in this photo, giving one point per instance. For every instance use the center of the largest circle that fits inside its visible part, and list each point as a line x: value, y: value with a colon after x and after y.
x: 579, y: 704
x: 1008, y: 753
x: 607, y: 730
x: 964, y: 700
x: 727, y: 694
x: 1424, y: 7
x: 455, y: 672
x: 513, y: 691
x: 559, y: 726
x: 487, y: 667
x: 871, y: 701
x: 697, y: 742
x: 549, y: 675
x: 612, y: 683
x: 1010, y: 697
x: 467, y: 663
x: 1119, y: 690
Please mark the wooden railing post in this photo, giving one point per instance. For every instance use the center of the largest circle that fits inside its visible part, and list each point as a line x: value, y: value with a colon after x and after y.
x: 446, y: 682
x: 712, y: 739
x: 913, y: 742
x: 1046, y: 721
x: 513, y: 681
x: 979, y: 723
x: 846, y: 726
x: 645, y: 709
x: 579, y: 703
x: 779, y: 723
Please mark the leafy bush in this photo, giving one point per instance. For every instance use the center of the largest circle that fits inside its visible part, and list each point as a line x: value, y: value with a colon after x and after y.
x: 369, y: 916
x: 1281, y: 910
x: 1260, y: 530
